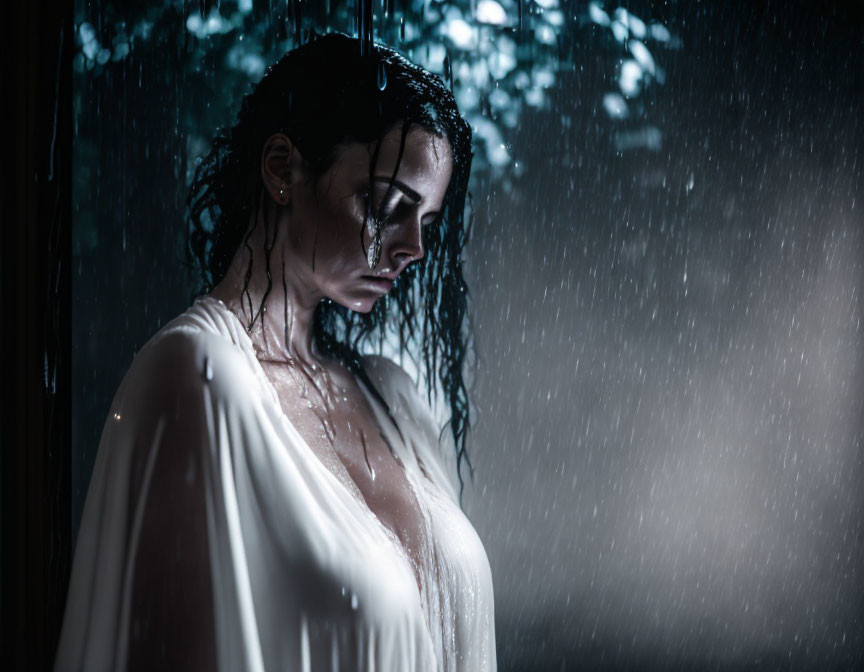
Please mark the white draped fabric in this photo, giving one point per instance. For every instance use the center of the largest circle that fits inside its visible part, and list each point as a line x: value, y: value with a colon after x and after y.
x: 207, y: 507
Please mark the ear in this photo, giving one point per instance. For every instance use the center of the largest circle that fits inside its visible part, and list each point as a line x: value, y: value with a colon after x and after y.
x: 281, y: 167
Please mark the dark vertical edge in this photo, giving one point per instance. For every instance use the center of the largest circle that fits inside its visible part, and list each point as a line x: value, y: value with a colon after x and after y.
x: 35, y: 256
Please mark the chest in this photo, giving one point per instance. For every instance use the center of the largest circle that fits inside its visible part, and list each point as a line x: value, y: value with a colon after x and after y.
x: 334, y: 417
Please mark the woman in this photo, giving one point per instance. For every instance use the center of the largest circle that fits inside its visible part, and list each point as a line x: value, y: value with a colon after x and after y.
x: 264, y: 497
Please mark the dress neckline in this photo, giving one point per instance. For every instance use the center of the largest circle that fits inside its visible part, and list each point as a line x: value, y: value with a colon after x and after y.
x: 354, y: 491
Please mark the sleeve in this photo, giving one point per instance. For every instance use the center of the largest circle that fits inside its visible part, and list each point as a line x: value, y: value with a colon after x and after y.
x: 143, y: 580
x: 170, y: 583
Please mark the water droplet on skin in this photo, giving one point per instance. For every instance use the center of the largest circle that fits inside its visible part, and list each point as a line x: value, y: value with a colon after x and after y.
x: 208, y: 369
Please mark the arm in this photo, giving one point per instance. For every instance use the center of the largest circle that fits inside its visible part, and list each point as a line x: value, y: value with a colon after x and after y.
x: 170, y: 605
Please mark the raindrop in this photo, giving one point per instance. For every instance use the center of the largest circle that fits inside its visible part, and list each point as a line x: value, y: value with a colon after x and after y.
x: 208, y: 369
x: 366, y: 455
x: 382, y: 76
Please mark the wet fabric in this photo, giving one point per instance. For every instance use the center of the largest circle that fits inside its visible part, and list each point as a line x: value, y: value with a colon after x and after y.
x: 208, y: 513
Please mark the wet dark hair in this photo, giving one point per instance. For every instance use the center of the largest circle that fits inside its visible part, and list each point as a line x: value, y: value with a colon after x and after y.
x: 324, y: 95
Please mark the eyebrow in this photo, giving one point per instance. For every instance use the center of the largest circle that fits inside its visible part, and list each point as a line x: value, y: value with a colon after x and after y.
x: 404, y: 188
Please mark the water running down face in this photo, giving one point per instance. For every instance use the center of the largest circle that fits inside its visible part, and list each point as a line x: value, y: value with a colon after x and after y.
x: 325, y: 218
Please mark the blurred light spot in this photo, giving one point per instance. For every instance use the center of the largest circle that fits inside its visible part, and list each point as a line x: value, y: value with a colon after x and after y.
x: 121, y: 51
x: 544, y: 77
x: 250, y: 64
x: 521, y: 80
x: 467, y: 97
x: 545, y: 34
x: 642, y: 55
x: 89, y: 43
x: 453, y: 13
x: 636, y: 26
x: 480, y: 73
x: 534, y: 97
x: 597, y: 15
x: 554, y: 18
x: 506, y: 45
x: 143, y: 29
x: 619, y: 30
x: 630, y: 79
x: 616, y: 106
x: 489, y: 11
x: 499, y: 99
x: 490, y: 135
x: 660, y: 33
x: 498, y: 155
x: 214, y: 24
x: 510, y: 117
x: 648, y: 137
x: 500, y: 64
x: 432, y: 57
x: 460, y: 33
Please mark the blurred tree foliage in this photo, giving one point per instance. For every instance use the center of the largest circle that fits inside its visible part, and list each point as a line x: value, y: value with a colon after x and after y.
x: 499, y: 56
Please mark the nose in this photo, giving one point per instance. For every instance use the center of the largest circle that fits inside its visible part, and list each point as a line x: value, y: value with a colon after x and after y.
x: 407, y: 245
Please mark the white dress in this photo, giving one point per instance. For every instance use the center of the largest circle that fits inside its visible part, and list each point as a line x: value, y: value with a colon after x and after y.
x: 303, y: 576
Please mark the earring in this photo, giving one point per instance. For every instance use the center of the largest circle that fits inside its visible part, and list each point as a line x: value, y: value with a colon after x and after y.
x: 281, y: 192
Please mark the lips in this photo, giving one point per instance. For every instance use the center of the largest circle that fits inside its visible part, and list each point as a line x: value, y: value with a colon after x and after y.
x: 381, y: 282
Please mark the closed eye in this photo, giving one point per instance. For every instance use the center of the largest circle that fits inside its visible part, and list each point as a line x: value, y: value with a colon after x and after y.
x: 388, y: 214
x: 384, y: 213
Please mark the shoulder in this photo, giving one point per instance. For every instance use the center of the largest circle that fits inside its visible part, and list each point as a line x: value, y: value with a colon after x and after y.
x: 180, y: 360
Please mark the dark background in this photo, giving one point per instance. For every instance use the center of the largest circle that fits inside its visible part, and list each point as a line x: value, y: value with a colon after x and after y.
x: 669, y: 451
x: 668, y: 434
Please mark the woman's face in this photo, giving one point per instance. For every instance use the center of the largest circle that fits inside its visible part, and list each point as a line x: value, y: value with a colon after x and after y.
x: 327, y: 218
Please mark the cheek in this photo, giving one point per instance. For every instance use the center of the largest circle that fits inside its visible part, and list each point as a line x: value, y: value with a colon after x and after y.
x: 339, y: 244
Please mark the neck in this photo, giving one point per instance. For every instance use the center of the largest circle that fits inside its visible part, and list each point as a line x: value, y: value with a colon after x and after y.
x: 283, y: 331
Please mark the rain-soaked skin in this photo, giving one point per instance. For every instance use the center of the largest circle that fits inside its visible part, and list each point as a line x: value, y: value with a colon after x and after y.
x: 321, y: 248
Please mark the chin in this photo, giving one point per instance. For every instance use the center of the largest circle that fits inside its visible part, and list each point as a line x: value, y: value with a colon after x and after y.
x: 361, y: 305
